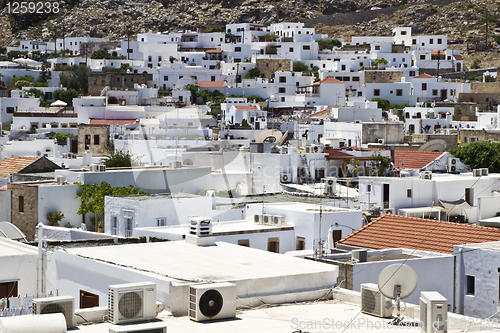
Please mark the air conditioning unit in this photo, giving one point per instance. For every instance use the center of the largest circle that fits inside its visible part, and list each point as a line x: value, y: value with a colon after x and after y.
x: 60, y: 180
x: 140, y: 328
x: 373, y: 302
x: 316, y: 148
x: 433, y: 312
x: 102, y: 167
x: 389, y: 211
x: 381, y: 141
x: 277, y: 220
x: 357, y: 121
x: 285, y: 177
x: 131, y: 302
x: 484, y: 171
x: 94, y: 168
x: 359, y: 255
x: 59, y: 304
x: 330, y: 184
x: 476, y: 172
x: 453, y: 164
x: 212, y: 301
x: 258, y: 218
x: 308, y: 149
x: 426, y: 175
x: 175, y: 165
x: 267, y: 219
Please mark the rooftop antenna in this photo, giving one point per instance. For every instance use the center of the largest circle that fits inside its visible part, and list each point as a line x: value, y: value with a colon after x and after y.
x: 397, y: 281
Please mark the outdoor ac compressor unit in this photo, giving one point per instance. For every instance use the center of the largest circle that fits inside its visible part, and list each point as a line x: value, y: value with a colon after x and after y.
x: 374, y: 302
x: 212, y: 301
x: 131, y: 302
x: 433, y: 312
x: 59, y: 304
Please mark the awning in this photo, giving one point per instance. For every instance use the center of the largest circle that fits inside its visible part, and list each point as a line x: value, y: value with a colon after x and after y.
x: 454, y: 205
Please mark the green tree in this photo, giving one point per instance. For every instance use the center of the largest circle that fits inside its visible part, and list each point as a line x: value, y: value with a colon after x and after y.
x: 300, y: 67
x: 66, y: 95
x: 270, y: 37
x: 381, y: 61
x: 384, y: 104
x: 3, y: 50
x: 117, y: 159
x: 252, y: 74
x: 101, y: 54
x: 92, y: 197
x: 328, y: 44
x: 61, y: 137
x: 383, y: 163
x: 45, y: 74
x: 483, y: 154
x: 475, y: 64
x: 77, y: 78
x: 27, y: 78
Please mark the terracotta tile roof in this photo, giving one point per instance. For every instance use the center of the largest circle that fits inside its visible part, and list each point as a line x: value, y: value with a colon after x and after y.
x: 15, y: 164
x: 424, y: 76
x: 319, y: 113
x: 213, y: 51
x: 395, y: 231
x: 338, y: 155
x: 458, y: 57
x: 405, y: 159
x: 330, y: 80
x: 246, y: 107
x: 211, y: 84
x: 121, y: 122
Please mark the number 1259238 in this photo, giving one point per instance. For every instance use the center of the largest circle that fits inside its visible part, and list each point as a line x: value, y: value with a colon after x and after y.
x: 31, y: 7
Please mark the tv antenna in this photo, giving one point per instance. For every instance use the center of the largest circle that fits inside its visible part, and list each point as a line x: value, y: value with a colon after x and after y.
x: 397, y: 282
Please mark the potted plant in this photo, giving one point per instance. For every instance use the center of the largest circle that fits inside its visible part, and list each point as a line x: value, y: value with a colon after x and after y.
x: 100, y: 226
x: 55, y: 217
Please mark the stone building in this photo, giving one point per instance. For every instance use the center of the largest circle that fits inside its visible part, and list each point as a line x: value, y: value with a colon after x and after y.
x: 120, y: 81
x: 268, y: 67
x: 382, y: 76
x: 93, y: 138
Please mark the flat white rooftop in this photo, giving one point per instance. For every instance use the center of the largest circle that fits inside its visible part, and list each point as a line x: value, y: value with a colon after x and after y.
x: 324, y: 316
x: 10, y: 248
x: 222, y: 262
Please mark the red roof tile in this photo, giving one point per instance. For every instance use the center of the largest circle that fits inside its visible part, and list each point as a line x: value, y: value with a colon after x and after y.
x: 121, y: 122
x: 424, y: 76
x: 330, y: 80
x: 246, y: 107
x: 338, y: 155
x: 395, y: 231
x: 458, y: 57
x: 211, y: 84
x: 213, y: 51
x: 405, y: 159
x: 13, y: 164
x: 318, y: 113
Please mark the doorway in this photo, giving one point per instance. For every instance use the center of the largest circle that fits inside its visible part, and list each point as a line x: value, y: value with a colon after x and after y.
x: 88, y: 300
x: 386, y: 196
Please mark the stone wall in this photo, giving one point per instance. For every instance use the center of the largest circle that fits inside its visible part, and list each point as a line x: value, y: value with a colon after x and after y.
x: 120, y: 81
x: 86, y: 139
x: 391, y: 133
x: 27, y: 219
x: 464, y: 135
x: 268, y: 67
x: 382, y: 76
x: 487, y: 99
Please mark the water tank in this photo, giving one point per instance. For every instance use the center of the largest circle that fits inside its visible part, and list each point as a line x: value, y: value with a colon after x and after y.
x: 46, y: 323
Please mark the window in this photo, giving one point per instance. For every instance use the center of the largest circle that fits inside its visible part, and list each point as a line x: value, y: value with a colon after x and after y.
x: 424, y: 86
x: 290, y: 49
x: 283, y: 99
x: 343, y: 67
x: 96, y: 139
x: 10, y: 110
x: 150, y: 58
x: 408, y: 192
x: 237, y: 49
x: 434, y: 92
x: 403, y: 32
x: 422, y: 57
x: 159, y: 58
x: 87, y: 139
x: 88, y: 300
x: 130, y: 51
x: 407, y: 115
x: 165, y: 78
x: 374, y: 77
x: 440, y: 41
x: 471, y: 283
x: 244, y: 242
x: 161, y: 221
x: 21, y: 204
x: 412, y: 73
x: 212, y: 78
x: 273, y: 244
x: 117, y: 79
x: 8, y: 289
x: 282, y: 79
x: 114, y: 226
x: 336, y: 235
x: 469, y: 196
x: 346, y: 78
x: 414, y: 41
x: 282, y: 90
x: 368, y: 188
x: 355, y: 78
x: 376, y: 92
x: 377, y: 47
x: 393, y: 59
x: 306, y: 47
x: 128, y: 226
x: 300, y: 244
x: 399, y: 92
x: 431, y: 41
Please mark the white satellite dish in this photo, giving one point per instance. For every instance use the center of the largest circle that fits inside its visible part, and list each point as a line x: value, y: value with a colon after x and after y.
x: 272, y: 135
x: 397, y: 281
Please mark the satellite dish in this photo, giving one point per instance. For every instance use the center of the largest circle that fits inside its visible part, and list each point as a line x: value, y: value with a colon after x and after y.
x: 434, y: 145
x: 272, y: 135
x: 38, y: 153
x: 397, y: 275
x: 397, y: 281
x: 225, y: 144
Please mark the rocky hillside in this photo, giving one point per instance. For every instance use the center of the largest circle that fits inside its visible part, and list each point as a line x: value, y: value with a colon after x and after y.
x: 340, y: 18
